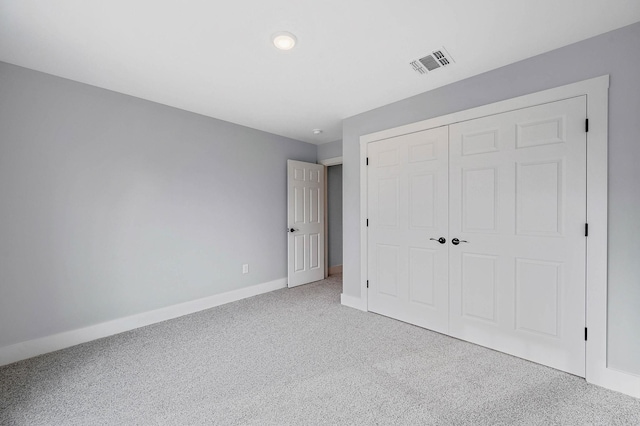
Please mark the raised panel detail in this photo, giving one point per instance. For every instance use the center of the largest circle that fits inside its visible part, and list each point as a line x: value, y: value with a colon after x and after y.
x: 314, y: 251
x: 388, y: 269
x: 299, y: 204
x: 421, y: 275
x: 314, y: 205
x: 480, y: 142
x: 314, y: 176
x: 537, y: 296
x: 388, y: 202
x: 479, y: 286
x: 298, y: 174
x: 422, y: 152
x: 298, y: 242
x: 422, y: 198
x: 388, y: 158
x: 541, y: 132
x: 479, y: 200
x: 539, y: 198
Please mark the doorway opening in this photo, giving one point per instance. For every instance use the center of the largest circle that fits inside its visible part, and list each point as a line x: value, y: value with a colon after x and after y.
x: 333, y: 215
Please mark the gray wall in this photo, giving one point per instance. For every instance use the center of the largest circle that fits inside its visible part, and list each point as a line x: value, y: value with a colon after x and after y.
x: 112, y: 205
x: 334, y: 214
x: 569, y: 64
x: 330, y: 150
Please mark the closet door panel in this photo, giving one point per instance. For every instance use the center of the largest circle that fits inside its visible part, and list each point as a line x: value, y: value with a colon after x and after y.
x: 407, y: 205
x: 518, y: 203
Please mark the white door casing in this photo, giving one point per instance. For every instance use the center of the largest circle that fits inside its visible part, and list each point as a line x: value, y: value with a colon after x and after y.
x: 408, y: 191
x: 518, y: 196
x: 306, y: 222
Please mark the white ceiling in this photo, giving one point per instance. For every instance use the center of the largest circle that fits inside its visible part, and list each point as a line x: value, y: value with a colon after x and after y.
x: 216, y: 58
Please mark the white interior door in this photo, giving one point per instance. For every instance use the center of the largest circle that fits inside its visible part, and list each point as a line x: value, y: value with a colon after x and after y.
x: 306, y: 225
x: 408, y: 213
x: 518, y: 200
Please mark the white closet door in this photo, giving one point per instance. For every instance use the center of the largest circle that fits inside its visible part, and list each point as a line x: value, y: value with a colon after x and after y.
x: 518, y: 197
x: 407, y: 205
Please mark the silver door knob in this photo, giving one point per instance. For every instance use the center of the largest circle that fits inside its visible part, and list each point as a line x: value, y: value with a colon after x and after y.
x: 456, y: 241
x: 441, y: 240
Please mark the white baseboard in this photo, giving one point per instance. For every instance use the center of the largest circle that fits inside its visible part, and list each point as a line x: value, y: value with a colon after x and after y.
x: 353, y: 302
x: 335, y: 269
x: 19, y: 351
x: 618, y: 381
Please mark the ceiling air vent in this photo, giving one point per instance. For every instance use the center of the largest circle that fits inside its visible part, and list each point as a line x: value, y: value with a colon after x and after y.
x: 437, y: 59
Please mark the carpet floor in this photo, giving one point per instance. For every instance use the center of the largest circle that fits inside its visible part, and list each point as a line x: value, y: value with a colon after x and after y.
x: 296, y: 357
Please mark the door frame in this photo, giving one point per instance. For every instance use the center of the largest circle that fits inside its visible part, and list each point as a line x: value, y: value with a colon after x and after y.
x: 597, y: 93
x: 334, y: 161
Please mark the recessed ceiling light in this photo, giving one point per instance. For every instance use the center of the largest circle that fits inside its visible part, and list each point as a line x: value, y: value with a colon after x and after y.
x: 284, y: 40
x: 317, y: 131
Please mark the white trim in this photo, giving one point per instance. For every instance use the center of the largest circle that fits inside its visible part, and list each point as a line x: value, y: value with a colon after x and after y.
x: 551, y: 95
x: 335, y: 269
x: 19, y: 351
x: 364, y: 256
x: 353, y: 302
x: 616, y: 380
x: 597, y: 92
x: 598, y: 370
x: 326, y: 221
x: 331, y: 161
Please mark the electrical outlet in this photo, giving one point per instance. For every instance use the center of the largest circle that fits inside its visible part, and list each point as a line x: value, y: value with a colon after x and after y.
x: 245, y: 268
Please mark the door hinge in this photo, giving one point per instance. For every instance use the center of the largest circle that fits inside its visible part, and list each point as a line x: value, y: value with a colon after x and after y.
x: 586, y: 229
x: 585, y: 334
x: 367, y: 161
x: 586, y: 125
x: 367, y: 222
x: 367, y: 283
